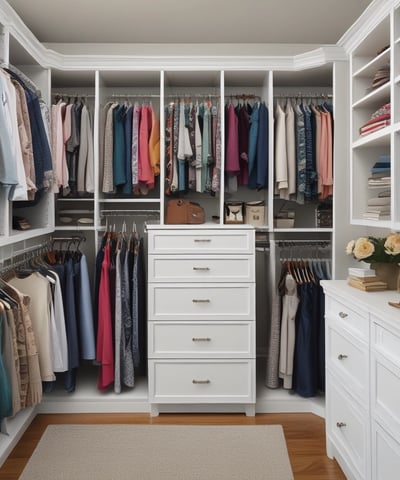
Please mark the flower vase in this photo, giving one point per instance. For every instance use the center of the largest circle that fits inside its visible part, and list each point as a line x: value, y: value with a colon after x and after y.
x: 389, y: 273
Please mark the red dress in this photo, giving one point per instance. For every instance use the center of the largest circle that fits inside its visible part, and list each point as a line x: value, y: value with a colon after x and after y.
x: 105, y: 350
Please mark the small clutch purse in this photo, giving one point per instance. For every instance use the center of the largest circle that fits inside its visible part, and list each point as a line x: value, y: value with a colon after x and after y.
x: 182, y: 212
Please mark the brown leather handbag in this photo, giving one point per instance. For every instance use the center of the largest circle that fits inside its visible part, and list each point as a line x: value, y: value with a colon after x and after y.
x: 183, y: 212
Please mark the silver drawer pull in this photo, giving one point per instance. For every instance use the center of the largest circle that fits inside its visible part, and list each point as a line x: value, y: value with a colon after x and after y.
x: 201, y: 339
x: 343, y: 314
x: 342, y: 356
x: 204, y: 240
x: 200, y: 382
x: 201, y: 269
x: 340, y: 424
x: 201, y: 300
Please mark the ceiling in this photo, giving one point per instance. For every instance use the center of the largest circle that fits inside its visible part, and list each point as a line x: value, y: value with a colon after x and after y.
x: 190, y: 21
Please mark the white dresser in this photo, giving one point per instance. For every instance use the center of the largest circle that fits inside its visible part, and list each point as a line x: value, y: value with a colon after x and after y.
x: 363, y: 381
x: 201, y: 317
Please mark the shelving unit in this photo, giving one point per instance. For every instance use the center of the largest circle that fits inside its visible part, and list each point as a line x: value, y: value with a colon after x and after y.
x: 365, y: 60
x: 159, y: 79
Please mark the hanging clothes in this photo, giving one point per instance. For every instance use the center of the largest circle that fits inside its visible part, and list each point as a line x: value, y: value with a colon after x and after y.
x: 129, y: 148
x: 290, y: 302
x: 247, y: 146
x: 6, y: 402
x: 296, y: 348
x: 192, y: 146
x: 303, y: 151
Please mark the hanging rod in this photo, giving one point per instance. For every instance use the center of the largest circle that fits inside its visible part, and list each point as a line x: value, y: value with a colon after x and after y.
x: 195, y: 95
x: 67, y: 239
x: 243, y: 96
x: 135, y: 95
x: 122, y: 213
x: 74, y: 94
x: 303, y: 95
x: 22, y: 253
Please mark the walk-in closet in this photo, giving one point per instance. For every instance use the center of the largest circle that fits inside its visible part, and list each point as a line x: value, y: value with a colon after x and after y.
x: 199, y: 316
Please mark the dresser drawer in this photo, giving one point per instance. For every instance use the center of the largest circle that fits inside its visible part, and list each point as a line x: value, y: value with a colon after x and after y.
x: 348, y: 425
x: 211, y: 301
x: 223, y: 241
x: 348, y: 318
x: 386, y: 342
x: 385, y: 454
x: 201, y: 268
x: 350, y: 359
x: 197, y: 381
x: 385, y: 388
x: 201, y: 339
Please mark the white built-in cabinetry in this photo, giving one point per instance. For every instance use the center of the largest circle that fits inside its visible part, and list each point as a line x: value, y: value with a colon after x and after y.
x: 380, y: 47
x: 242, y: 335
x: 101, y: 78
x: 362, y: 381
x: 201, y: 317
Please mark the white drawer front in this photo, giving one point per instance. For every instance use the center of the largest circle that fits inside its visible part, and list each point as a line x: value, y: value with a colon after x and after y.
x: 349, y: 358
x: 201, y: 302
x: 200, y: 268
x: 349, y: 429
x: 201, y: 381
x: 201, y: 241
x: 385, y: 456
x: 196, y: 340
x: 347, y: 317
x: 386, y: 342
x: 386, y: 392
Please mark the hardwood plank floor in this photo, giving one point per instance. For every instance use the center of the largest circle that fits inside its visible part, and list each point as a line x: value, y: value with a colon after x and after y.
x: 304, y: 433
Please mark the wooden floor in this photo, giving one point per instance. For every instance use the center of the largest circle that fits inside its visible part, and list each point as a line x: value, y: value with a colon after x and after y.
x: 304, y: 432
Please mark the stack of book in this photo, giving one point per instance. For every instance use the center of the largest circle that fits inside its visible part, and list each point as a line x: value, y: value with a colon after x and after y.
x: 365, y: 279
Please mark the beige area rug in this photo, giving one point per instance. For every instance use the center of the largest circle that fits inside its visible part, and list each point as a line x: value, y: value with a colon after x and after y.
x: 160, y: 452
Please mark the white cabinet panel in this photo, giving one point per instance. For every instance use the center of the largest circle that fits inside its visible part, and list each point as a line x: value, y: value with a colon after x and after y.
x: 350, y: 359
x: 201, y: 339
x: 349, y: 427
x: 184, y: 268
x: 225, y: 241
x: 348, y: 318
x: 201, y: 381
x: 201, y: 301
x: 386, y: 455
x: 385, y: 395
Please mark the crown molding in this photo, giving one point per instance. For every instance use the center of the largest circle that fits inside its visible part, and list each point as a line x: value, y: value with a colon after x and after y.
x: 369, y: 19
x: 50, y: 58
x: 17, y: 28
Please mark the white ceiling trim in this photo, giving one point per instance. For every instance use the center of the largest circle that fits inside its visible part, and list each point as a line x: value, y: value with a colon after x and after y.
x: 368, y: 20
x: 325, y: 54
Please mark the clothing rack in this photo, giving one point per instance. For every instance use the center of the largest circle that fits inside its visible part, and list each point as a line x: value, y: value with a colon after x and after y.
x: 22, y: 256
x: 70, y: 240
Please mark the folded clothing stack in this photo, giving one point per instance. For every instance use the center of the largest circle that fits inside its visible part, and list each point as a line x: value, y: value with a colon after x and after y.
x: 379, y: 119
x: 378, y: 208
x: 382, y: 76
